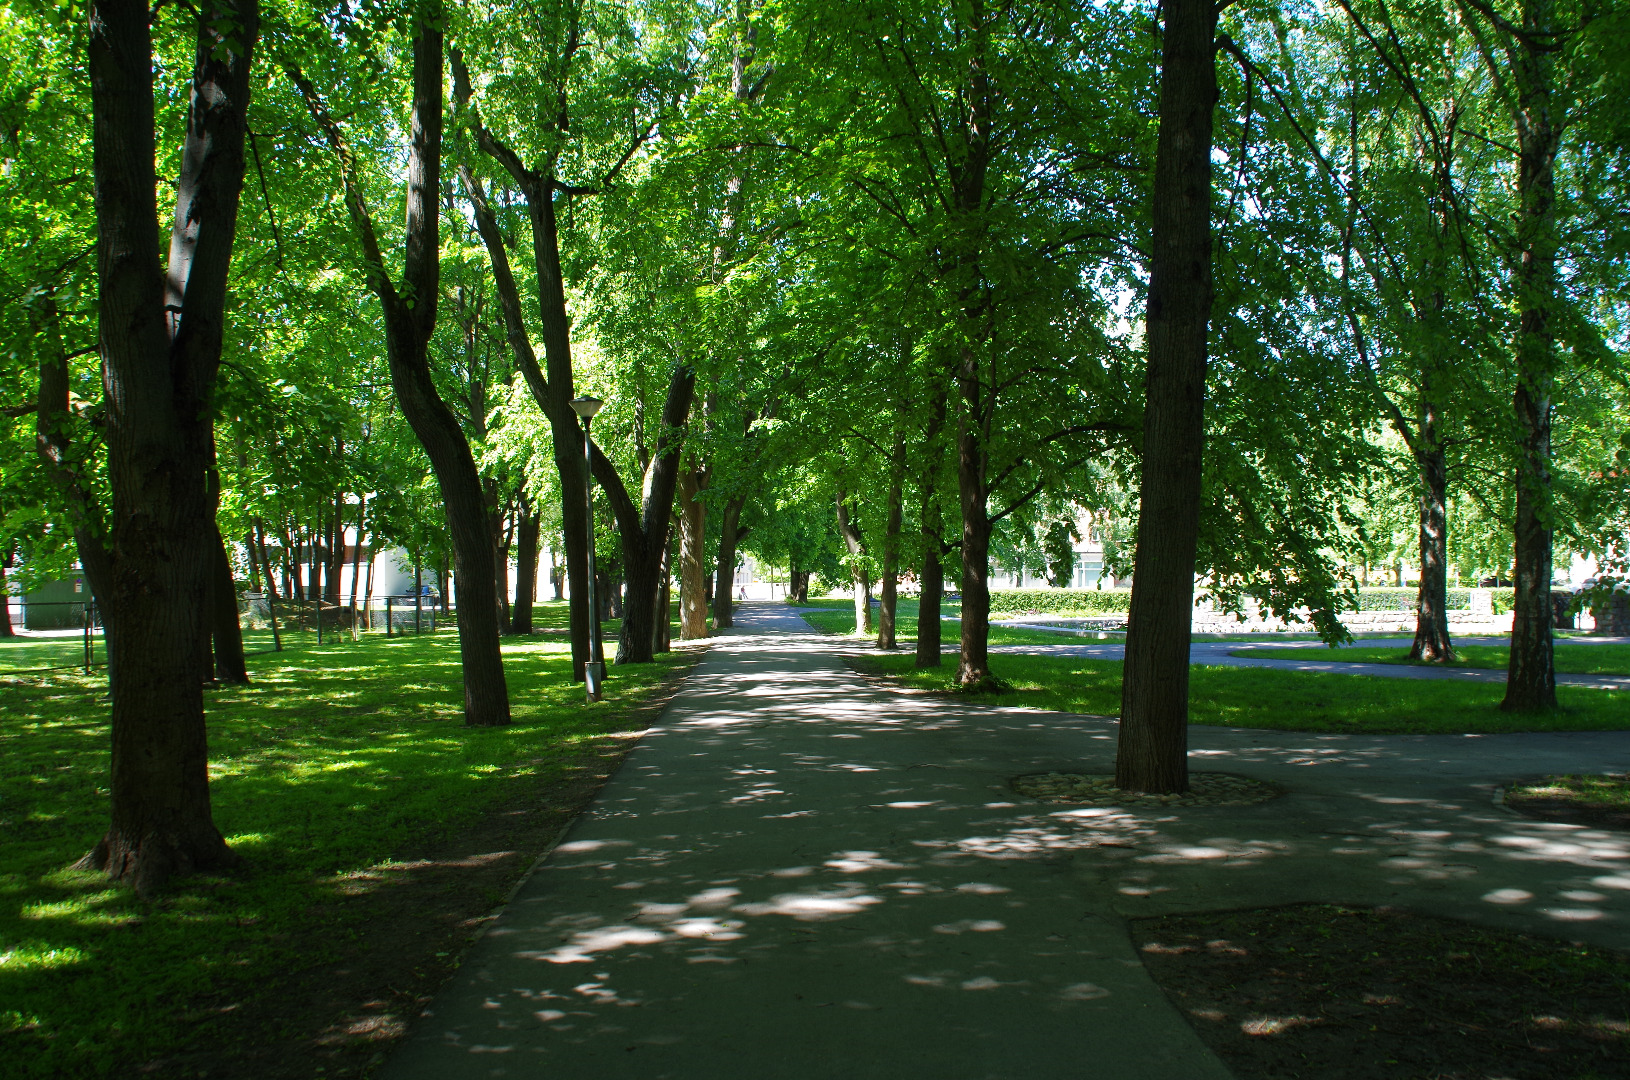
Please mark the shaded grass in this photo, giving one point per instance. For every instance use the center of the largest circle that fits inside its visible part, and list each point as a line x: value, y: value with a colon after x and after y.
x: 335, y: 762
x: 1586, y: 798
x: 1284, y: 700
x: 1604, y: 659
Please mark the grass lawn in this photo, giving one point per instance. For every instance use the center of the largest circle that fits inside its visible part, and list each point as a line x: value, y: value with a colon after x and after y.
x: 838, y: 617
x: 1588, y: 798
x: 1604, y: 659
x: 377, y: 832
x: 1257, y: 697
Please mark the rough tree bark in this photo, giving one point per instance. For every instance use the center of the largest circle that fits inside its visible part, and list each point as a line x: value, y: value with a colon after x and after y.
x: 161, y: 329
x: 1432, y: 641
x: 1153, y: 747
x: 410, y: 317
x: 1531, y: 674
x: 692, y: 560
x: 973, y: 660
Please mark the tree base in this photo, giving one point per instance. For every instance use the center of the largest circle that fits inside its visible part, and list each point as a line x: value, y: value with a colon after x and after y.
x: 984, y: 684
x: 153, y: 861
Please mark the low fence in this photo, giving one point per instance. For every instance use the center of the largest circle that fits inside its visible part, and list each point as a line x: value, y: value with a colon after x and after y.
x: 64, y: 635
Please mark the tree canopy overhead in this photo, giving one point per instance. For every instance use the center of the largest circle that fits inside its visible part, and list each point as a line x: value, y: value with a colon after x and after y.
x: 1274, y: 296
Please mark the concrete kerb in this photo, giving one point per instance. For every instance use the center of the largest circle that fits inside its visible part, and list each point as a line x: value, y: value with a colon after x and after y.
x: 798, y: 874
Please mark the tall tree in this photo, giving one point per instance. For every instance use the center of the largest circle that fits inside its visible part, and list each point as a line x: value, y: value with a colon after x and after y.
x: 160, y: 337
x: 410, y: 317
x: 1152, y: 754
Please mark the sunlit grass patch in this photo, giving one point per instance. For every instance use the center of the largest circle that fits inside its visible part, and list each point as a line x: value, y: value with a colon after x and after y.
x: 1287, y: 700
x: 1603, y: 659
x: 335, y: 761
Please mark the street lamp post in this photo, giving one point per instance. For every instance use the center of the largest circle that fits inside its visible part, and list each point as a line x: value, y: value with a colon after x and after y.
x: 594, y: 672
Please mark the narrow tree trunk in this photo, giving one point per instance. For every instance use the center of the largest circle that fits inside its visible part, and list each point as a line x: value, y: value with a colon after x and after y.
x: 724, y: 578
x: 932, y: 527
x: 661, y: 632
x: 692, y: 558
x: 1432, y: 601
x: 356, y: 554
x: 336, y: 550
x: 5, y: 593
x: 526, y: 570
x: 500, y: 560
x: 888, y: 590
x: 225, y: 629
x: 1153, y: 749
x: 1531, y: 676
x: 859, y: 572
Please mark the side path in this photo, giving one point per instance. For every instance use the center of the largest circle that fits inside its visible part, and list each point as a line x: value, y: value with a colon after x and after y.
x: 799, y: 874
x: 1223, y: 654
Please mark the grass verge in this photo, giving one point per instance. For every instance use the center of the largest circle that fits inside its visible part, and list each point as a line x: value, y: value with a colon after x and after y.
x: 378, y: 833
x: 1582, y: 798
x: 1284, y: 700
x: 1356, y: 994
x: 1604, y: 659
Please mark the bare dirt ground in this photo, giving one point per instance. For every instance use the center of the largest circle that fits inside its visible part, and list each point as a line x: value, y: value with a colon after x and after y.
x: 1339, y: 993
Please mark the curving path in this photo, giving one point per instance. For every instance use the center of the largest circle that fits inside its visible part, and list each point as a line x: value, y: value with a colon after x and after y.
x: 1224, y: 654
x: 800, y: 873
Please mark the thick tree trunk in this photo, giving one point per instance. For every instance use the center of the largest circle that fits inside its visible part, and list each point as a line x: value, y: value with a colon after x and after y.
x: 889, y: 587
x: 1432, y: 601
x: 161, y: 333
x: 693, y: 593
x: 973, y: 660
x: 724, y: 578
x: 1531, y: 675
x: 1153, y: 747
x: 225, y: 629
x: 526, y: 570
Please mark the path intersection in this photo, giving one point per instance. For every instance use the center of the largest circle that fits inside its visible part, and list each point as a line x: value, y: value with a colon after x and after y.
x: 800, y: 873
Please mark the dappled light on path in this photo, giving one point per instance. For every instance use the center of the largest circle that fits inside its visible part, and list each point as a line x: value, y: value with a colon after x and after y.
x: 798, y: 864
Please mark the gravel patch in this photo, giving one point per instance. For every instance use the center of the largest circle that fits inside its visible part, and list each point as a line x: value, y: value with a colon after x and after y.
x: 1098, y: 789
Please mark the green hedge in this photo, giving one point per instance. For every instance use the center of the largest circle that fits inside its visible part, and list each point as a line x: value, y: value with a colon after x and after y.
x: 1403, y: 599
x: 1116, y: 601
x: 1503, y: 600
x: 1060, y: 601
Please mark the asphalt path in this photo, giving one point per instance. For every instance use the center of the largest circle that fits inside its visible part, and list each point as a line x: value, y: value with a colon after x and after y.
x: 801, y: 873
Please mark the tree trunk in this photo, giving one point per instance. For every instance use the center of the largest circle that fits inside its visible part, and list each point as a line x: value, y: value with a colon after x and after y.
x: 1153, y: 748
x: 526, y: 569
x: 1432, y: 601
x: 160, y: 340
x: 692, y: 558
x: 932, y: 525
x: 336, y: 550
x: 973, y: 661
x: 410, y: 319
x: 5, y: 593
x: 891, y: 551
x: 356, y: 554
x: 724, y: 578
x: 225, y: 629
x: 1531, y: 676
x: 502, y: 535
x: 859, y: 572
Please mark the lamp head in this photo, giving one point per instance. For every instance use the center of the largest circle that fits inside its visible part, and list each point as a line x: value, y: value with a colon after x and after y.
x: 586, y: 407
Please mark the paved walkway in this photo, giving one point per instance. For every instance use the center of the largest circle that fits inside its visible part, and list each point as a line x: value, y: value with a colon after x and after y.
x: 802, y: 874
x: 1223, y: 653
